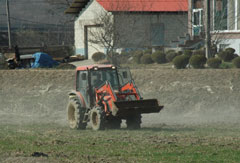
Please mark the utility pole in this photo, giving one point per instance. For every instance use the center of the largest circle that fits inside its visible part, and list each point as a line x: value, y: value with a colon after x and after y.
x: 207, y: 29
x: 9, y: 25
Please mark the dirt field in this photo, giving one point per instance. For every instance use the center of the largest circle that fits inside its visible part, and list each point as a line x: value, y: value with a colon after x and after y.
x: 189, y: 96
x: 199, y: 123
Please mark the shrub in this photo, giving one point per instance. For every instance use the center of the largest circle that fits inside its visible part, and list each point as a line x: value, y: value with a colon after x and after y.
x: 199, y: 52
x: 158, y: 57
x: 230, y: 50
x: 214, y: 62
x: 98, y: 56
x: 197, y: 61
x: 235, y: 55
x: 124, y: 57
x: 179, y: 52
x: 188, y: 53
x: 236, y: 62
x: 226, y: 65
x: 170, y: 55
x: 146, y: 59
x: 137, y: 56
x: 226, y: 55
x: 147, y: 51
x: 181, y: 61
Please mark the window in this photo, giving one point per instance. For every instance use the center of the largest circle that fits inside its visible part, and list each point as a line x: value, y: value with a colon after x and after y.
x: 226, y: 15
x: 231, y: 14
x: 82, y: 81
x: 220, y: 19
x: 99, y: 77
x: 124, y: 76
x: 197, y: 21
x: 157, y: 34
x: 238, y: 14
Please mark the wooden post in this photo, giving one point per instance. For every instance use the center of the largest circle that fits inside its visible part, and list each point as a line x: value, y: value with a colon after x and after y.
x: 9, y: 25
x: 207, y: 29
x: 86, y: 41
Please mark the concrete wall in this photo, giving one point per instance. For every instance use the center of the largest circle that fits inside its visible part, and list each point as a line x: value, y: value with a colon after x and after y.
x: 150, y: 29
x: 87, y: 17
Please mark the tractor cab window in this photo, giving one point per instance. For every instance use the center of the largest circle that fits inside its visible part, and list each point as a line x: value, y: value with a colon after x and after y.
x: 82, y: 81
x: 82, y: 85
x: 124, y: 75
x: 99, y: 78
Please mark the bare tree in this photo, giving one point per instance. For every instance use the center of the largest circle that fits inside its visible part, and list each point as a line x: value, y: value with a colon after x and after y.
x: 132, y: 28
x: 117, y: 29
x: 104, y: 36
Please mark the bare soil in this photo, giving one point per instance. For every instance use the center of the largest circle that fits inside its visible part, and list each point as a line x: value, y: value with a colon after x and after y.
x: 189, y: 96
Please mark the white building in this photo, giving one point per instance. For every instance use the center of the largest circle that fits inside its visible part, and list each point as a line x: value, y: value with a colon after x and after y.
x: 137, y: 23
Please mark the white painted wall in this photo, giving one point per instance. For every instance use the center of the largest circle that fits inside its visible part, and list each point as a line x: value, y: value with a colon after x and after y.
x: 232, y: 43
x: 86, y: 17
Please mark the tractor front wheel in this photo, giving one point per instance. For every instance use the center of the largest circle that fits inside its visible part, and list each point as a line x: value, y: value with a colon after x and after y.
x: 134, y: 122
x: 97, y: 118
x: 76, y: 114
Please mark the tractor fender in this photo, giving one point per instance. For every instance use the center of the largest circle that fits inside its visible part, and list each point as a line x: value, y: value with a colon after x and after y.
x: 78, y: 95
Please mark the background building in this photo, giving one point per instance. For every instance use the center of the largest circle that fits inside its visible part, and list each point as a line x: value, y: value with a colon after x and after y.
x: 137, y: 24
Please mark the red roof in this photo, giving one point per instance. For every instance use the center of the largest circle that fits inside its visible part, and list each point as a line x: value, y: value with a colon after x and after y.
x: 145, y: 5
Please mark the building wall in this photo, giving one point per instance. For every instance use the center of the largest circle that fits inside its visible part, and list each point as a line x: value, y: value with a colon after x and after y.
x: 87, y: 17
x: 225, y: 40
x: 138, y: 30
x: 224, y: 32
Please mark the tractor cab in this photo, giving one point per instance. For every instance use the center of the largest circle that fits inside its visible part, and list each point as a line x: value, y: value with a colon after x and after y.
x: 90, y: 78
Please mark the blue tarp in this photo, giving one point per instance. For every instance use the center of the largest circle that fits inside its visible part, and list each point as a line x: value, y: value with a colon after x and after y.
x: 43, y: 60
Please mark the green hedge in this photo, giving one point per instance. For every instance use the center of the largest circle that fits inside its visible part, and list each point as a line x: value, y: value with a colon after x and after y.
x: 230, y: 50
x: 227, y: 55
x: 214, y: 62
x: 146, y: 59
x: 199, y: 52
x: 98, y: 56
x: 197, y: 61
x: 236, y: 62
x: 137, y: 56
x: 158, y: 57
x: 188, y: 53
x: 170, y: 55
x: 180, y: 62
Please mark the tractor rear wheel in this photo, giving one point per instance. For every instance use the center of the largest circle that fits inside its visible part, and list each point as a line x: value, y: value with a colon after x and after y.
x: 134, y: 122
x: 76, y: 114
x: 97, y: 118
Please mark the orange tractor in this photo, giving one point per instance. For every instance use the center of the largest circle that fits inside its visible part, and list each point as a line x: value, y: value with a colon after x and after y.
x: 105, y: 95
